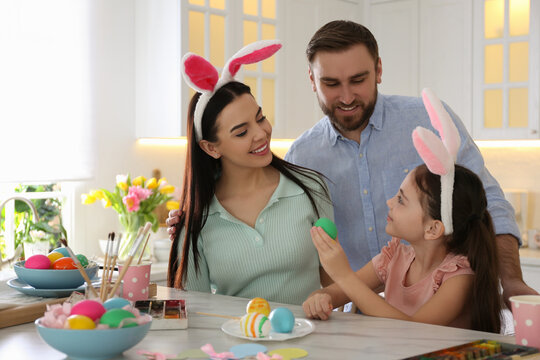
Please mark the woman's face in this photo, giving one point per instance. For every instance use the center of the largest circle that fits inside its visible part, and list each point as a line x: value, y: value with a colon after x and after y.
x: 244, y: 134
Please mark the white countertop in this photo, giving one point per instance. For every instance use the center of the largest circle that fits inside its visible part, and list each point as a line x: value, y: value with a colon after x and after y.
x: 344, y: 336
x: 528, y: 256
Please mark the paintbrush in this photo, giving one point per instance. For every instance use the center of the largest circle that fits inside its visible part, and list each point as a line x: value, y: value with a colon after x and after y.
x: 80, y: 267
x: 106, y: 261
x: 218, y: 315
x: 144, y: 247
x: 129, y: 259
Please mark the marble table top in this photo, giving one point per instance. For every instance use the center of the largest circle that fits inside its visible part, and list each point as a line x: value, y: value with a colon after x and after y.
x: 344, y: 336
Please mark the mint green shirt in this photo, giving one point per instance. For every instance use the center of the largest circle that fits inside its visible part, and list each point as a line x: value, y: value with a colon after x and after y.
x: 276, y: 260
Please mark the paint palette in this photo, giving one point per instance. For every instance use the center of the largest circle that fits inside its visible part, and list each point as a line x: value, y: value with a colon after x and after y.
x: 480, y: 349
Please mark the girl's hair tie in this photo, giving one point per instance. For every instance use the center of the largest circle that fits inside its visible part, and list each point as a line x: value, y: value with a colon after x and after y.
x: 439, y: 154
x: 203, y: 77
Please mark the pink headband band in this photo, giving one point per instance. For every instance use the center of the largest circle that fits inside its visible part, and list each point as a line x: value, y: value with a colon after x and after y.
x: 203, y: 77
x: 439, y: 156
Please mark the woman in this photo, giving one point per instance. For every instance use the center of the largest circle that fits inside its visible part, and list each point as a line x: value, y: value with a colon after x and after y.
x: 246, y: 214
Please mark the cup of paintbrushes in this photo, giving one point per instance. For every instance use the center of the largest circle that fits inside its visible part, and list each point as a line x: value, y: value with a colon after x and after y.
x: 136, y: 281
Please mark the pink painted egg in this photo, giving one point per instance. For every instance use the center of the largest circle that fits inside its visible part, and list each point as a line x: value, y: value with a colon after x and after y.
x: 91, y: 308
x: 37, y: 261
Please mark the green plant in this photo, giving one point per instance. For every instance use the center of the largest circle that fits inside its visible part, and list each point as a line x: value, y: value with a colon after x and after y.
x: 49, y: 213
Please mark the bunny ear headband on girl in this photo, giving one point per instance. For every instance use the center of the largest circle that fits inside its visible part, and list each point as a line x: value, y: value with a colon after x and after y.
x: 202, y: 76
x: 439, y: 155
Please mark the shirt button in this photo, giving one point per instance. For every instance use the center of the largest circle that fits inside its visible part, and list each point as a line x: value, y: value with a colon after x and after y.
x: 365, y: 191
x: 258, y: 239
x: 370, y: 228
x: 406, y: 171
x: 361, y: 155
x: 261, y: 221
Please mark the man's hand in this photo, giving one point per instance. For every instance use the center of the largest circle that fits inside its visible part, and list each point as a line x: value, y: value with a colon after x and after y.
x: 172, y: 220
x: 510, y: 268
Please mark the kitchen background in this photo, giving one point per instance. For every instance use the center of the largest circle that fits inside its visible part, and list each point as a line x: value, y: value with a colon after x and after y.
x: 136, y: 96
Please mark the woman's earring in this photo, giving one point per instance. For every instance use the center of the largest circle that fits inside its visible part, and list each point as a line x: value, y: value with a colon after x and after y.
x: 216, y: 156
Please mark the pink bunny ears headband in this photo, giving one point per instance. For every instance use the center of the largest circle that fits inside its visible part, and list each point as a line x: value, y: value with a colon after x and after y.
x: 202, y: 76
x: 439, y: 155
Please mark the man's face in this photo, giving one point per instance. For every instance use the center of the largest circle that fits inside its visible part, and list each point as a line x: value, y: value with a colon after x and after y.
x: 346, y: 86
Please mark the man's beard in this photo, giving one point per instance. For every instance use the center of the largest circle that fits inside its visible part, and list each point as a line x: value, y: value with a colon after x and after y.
x: 350, y: 123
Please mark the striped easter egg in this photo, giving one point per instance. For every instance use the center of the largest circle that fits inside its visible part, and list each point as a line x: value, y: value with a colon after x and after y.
x: 258, y: 305
x: 255, y: 325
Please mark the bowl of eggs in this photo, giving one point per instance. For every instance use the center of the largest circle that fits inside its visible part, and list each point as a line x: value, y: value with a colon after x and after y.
x: 54, y: 271
x: 91, y: 330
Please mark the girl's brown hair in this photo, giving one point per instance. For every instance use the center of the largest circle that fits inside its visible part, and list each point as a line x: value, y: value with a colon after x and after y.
x: 473, y: 237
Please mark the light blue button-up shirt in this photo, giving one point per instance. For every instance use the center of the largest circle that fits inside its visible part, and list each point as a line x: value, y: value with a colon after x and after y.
x: 361, y: 177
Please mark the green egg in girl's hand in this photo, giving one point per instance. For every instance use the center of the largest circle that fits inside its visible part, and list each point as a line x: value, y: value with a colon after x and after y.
x: 328, y: 226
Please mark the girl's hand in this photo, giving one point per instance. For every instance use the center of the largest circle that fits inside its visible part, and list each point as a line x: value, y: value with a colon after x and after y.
x: 318, y: 306
x: 331, y: 254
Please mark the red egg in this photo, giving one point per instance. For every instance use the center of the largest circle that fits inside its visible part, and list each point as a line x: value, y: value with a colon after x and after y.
x: 64, y: 263
x: 91, y: 308
x: 37, y: 261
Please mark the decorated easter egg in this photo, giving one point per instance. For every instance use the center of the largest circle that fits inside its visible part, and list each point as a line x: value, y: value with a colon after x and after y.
x: 54, y: 255
x: 91, y: 308
x: 82, y: 259
x: 255, y: 325
x: 282, y: 320
x: 37, y: 261
x: 259, y: 305
x: 114, y: 317
x: 64, y: 263
x: 328, y: 226
x: 115, y: 303
x: 61, y: 250
x: 79, y: 322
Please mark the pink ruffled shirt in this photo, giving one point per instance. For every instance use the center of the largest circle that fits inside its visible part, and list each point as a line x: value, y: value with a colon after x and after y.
x: 391, y: 266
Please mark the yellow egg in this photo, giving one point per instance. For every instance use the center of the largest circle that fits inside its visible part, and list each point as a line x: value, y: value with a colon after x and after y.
x: 80, y: 322
x: 258, y: 305
x: 53, y: 256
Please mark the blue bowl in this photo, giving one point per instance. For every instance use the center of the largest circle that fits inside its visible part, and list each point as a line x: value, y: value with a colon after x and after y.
x: 54, y: 279
x: 92, y: 344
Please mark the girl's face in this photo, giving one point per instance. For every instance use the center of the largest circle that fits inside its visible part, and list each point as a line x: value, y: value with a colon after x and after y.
x: 406, y: 215
x: 244, y: 134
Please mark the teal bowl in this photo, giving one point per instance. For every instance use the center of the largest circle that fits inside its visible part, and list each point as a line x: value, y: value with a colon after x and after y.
x: 54, y: 279
x: 92, y: 344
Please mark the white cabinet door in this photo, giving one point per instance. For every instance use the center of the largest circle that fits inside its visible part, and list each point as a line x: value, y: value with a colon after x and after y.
x: 395, y: 26
x: 425, y: 43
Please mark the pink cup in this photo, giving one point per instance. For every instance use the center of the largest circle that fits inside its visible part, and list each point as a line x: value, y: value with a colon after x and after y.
x: 136, y: 281
x: 526, y: 311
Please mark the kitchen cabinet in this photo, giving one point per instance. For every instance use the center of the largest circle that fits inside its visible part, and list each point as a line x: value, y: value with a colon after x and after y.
x: 437, y: 44
x: 161, y: 38
x: 530, y: 267
x: 425, y: 43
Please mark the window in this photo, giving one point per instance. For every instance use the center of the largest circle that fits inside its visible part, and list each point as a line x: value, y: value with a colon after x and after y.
x: 219, y: 28
x: 506, y: 82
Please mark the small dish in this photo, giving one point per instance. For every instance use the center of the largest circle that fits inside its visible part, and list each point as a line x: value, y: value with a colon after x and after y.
x: 302, y: 327
x: 26, y: 289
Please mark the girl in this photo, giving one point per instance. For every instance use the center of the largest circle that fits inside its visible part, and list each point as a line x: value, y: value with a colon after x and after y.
x: 448, y: 274
x: 245, y: 213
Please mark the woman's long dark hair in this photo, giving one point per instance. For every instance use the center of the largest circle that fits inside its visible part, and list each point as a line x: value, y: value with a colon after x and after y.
x: 473, y: 237
x: 201, y: 174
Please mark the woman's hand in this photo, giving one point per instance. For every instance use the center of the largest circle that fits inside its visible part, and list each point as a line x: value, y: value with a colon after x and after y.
x: 318, y: 306
x: 172, y: 220
x: 331, y: 254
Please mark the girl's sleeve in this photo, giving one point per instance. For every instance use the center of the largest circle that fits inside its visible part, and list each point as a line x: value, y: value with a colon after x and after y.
x: 197, y: 280
x: 380, y: 261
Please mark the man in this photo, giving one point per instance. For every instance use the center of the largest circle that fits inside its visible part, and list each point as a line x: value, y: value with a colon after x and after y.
x: 363, y: 146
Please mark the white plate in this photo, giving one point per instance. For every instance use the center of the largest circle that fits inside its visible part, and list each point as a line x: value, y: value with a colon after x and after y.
x: 26, y: 289
x: 302, y: 327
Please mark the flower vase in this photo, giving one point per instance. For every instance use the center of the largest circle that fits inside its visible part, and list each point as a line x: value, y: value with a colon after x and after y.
x: 131, y: 227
